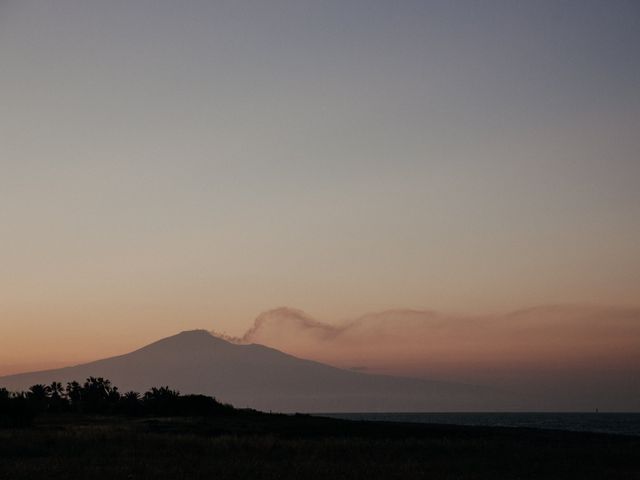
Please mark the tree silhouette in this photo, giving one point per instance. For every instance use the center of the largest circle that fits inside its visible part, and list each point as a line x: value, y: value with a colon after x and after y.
x: 162, y: 400
x: 17, y: 409
x: 38, y: 396
x: 56, y: 390
x: 74, y: 394
x: 98, y: 396
x: 58, y: 402
x: 130, y: 403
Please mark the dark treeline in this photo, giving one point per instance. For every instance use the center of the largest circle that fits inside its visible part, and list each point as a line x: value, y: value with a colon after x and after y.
x: 99, y: 396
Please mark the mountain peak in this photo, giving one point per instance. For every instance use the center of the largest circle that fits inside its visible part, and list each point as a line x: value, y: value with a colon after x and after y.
x: 199, y: 332
x: 188, y: 340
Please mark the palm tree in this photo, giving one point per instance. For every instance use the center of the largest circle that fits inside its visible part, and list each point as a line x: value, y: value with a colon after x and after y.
x: 74, y: 394
x: 39, y: 392
x: 161, y: 393
x: 58, y: 402
x: 161, y: 400
x: 131, y: 396
x: 97, y: 394
x: 56, y: 390
x: 38, y: 396
x: 113, y: 396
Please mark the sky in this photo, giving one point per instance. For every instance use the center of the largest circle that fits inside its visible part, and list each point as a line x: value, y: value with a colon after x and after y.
x: 175, y: 165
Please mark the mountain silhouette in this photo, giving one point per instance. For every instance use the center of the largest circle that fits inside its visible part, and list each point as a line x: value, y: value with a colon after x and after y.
x: 264, y: 378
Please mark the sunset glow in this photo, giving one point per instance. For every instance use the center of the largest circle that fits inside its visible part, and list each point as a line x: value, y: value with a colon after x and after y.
x: 451, y: 189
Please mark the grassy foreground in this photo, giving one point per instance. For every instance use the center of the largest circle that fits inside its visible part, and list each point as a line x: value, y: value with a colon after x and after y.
x: 261, y: 446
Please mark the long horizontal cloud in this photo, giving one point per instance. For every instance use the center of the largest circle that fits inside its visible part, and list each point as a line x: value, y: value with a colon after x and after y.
x: 588, y: 351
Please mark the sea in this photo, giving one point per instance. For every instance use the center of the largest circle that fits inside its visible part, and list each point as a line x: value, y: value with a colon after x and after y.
x: 616, y: 423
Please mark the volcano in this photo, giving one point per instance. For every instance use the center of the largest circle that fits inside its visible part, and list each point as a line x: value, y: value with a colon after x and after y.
x: 266, y: 379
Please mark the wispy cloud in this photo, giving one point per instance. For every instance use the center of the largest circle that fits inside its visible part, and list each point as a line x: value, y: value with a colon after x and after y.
x: 585, y: 349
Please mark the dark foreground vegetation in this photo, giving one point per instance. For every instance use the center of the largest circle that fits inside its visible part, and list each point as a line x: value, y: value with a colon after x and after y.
x: 164, y: 435
x: 99, y: 396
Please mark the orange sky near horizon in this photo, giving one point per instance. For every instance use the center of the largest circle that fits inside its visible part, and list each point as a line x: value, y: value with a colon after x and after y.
x: 169, y: 166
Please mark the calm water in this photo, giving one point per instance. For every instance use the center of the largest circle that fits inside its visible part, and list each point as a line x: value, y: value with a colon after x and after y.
x: 621, y: 423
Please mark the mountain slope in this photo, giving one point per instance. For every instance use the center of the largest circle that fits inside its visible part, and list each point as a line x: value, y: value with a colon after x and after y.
x: 264, y: 378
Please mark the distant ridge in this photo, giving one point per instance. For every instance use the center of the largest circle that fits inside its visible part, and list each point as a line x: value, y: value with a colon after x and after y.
x: 264, y: 378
